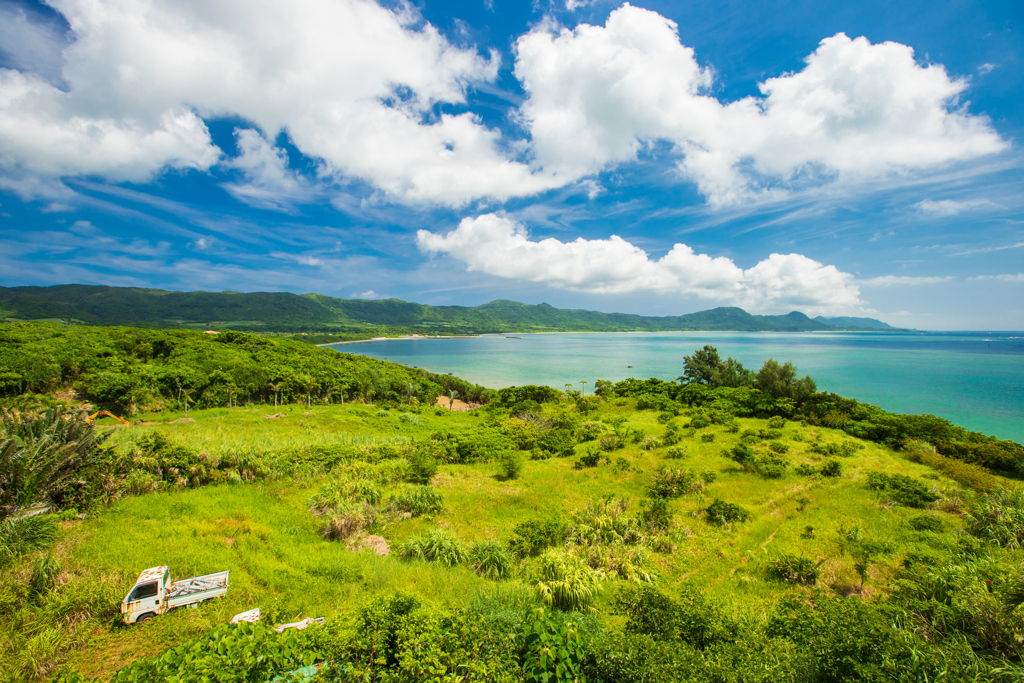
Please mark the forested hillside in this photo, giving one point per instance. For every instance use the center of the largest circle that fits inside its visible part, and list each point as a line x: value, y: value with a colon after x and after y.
x: 129, y: 369
x: 284, y: 312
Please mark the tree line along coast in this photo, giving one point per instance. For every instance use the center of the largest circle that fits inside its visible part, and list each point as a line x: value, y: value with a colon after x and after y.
x: 729, y: 525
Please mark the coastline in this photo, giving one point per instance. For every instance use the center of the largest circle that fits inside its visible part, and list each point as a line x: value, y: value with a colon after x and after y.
x: 539, y: 332
x: 407, y: 337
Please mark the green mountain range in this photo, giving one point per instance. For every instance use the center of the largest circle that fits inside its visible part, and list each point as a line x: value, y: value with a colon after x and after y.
x: 317, y: 313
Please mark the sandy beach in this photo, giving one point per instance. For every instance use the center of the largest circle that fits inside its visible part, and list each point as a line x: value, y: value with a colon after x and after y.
x: 412, y: 336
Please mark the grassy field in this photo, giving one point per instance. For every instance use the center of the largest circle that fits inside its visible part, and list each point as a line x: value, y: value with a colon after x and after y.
x: 264, y: 533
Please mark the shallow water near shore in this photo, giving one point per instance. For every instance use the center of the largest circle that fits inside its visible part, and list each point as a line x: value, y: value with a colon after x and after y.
x: 975, y: 379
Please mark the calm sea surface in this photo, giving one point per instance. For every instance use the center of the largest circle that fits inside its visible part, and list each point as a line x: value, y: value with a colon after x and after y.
x: 974, y: 379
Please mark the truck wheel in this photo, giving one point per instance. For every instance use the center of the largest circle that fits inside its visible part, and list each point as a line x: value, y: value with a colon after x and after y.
x: 144, y: 617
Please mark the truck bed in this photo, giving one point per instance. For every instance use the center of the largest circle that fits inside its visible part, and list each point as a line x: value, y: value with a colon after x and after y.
x: 197, y: 584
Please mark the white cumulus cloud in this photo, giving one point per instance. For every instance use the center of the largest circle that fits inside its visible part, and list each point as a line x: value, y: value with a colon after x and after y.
x: 598, y: 94
x: 496, y: 245
x: 353, y: 83
x: 361, y: 89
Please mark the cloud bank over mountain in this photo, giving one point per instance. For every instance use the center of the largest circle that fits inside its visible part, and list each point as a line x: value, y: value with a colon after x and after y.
x: 496, y: 245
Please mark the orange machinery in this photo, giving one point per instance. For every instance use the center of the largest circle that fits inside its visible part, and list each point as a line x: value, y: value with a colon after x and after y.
x: 92, y: 418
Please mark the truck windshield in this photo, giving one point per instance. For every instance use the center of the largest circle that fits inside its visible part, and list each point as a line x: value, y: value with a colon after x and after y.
x: 146, y: 590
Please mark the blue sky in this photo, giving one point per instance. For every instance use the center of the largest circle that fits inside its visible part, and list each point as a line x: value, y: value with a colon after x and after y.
x: 655, y: 158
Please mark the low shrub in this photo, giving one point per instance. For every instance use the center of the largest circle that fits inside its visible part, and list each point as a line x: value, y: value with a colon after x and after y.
x: 510, y: 464
x: 338, y: 493
x: 438, y: 546
x: 927, y: 523
x: 776, y: 422
x: 422, y: 465
x: 771, y: 466
x: 692, y: 619
x: 565, y: 582
x: 590, y: 458
x: 348, y: 521
x: 553, y: 650
x: 228, y: 652
x: 557, y: 441
x: 655, y: 514
x: 604, y: 522
x: 540, y: 454
x: 589, y: 431
x: 490, y: 560
x: 831, y: 468
x: 778, y: 447
x: 843, y: 450
x: 677, y: 452
x: 709, y: 476
x: 610, y: 443
x: 530, y: 538
x: 416, y: 501
x: 669, y: 482
x: 649, y: 443
x: 721, y: 513
x: 794, y: 569
x: 805, y: 470
x: 700, y: 421
x: 902, y: 489
x: 632, y: 563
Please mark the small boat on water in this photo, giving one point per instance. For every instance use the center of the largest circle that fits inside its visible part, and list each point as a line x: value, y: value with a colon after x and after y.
x: 513, y: 337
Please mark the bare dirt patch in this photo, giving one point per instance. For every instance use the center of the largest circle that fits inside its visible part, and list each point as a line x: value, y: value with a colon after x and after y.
x: 457, y: 405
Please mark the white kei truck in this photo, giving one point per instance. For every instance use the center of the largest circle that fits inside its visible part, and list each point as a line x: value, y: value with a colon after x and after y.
x: 154, y: 593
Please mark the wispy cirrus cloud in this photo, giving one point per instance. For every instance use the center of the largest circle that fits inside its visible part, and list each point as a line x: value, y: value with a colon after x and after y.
x: 1006, y: 277
x: 904, y: 280
x: 989, y: 250
x: 950, y: 207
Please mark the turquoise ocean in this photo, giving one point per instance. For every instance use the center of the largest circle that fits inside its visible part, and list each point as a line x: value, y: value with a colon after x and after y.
x: 971, y: 378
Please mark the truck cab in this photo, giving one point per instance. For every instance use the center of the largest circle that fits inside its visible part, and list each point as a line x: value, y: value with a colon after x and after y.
x: 146, y: 598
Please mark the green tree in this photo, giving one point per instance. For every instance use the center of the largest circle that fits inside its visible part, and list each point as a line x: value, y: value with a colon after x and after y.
x: 732, y: 374
x: 452, y: 395
x: 604, y: 389
x: 779, y: 381
x: 700, y: 368
x: 308, y: 383
x: 276, y: 387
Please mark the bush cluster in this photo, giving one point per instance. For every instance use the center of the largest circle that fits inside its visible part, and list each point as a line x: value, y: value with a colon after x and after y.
x: 902, y: 489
